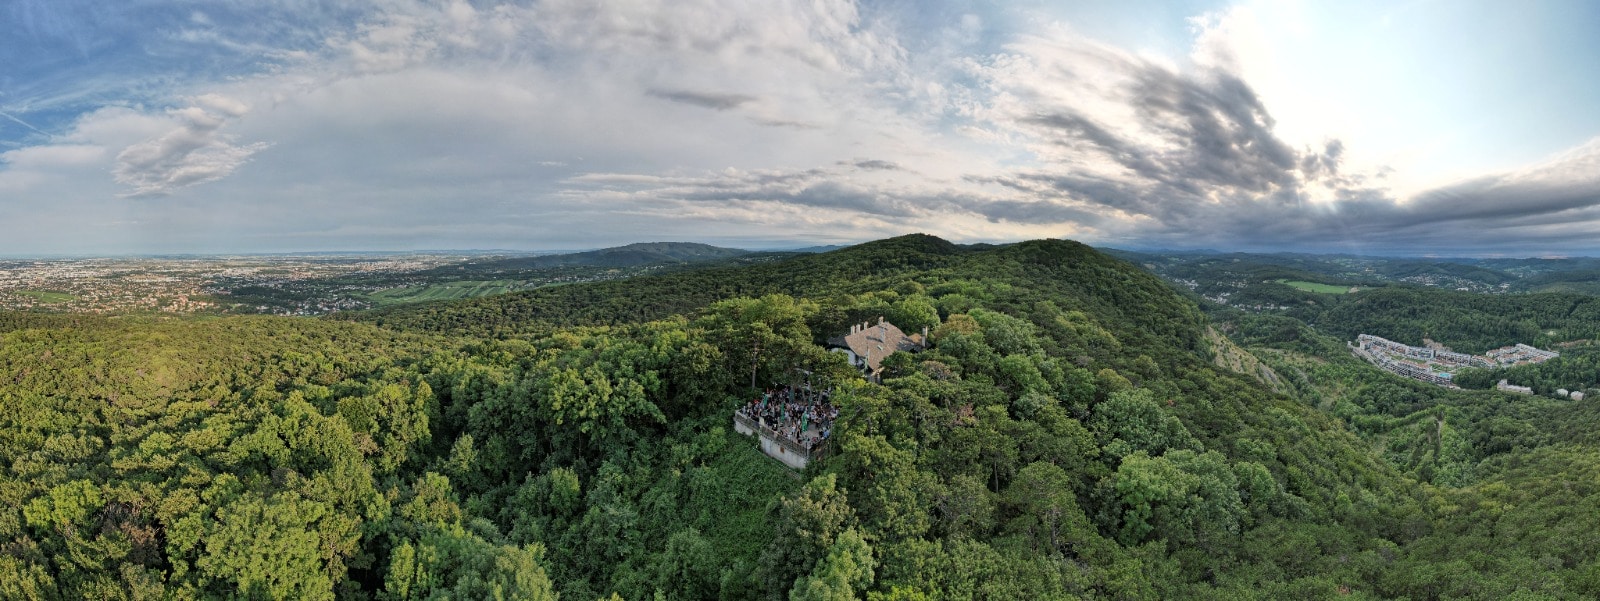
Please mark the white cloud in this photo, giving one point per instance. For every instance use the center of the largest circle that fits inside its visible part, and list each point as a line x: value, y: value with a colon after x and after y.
x: 54, y: 155
x: 217, y: 103
x: 193, y: 151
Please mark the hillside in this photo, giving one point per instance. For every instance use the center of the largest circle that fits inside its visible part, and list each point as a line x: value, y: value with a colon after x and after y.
x: 1066, y: 272
x: 1069, y: 435
x: 632, y: 255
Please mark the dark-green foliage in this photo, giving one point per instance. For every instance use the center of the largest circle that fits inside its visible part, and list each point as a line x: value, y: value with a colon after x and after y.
x: 1066, y: 436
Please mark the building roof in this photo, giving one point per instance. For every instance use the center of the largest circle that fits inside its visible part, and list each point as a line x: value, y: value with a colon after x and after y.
x: 874, y: 342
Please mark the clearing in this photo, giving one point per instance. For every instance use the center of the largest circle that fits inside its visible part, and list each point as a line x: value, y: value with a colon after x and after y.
x: 442, y: 291
x: 1315, y: 287
x: 46, y: 297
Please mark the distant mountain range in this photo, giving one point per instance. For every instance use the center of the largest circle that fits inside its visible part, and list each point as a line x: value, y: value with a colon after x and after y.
x: 817, y: 249
x: 632, y: 255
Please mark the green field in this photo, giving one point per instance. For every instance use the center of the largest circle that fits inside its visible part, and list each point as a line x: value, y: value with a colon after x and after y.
x: 445, y: 291
x: 1315, y: 287
x: 47, y: 297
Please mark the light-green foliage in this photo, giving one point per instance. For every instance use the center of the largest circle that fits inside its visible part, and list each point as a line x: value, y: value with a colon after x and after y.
x: 1067, y: 436
x: 846, y: 569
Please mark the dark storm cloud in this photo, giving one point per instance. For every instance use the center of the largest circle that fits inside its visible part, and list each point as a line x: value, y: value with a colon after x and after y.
x: 837, y: 188
x: 1199, y: 163
x: 1191, y: 159
x: 710, y: 100
x: 1215, y: 132
x: 1036, y: 212
x: 1506, y: 199
x: 1313, y: 164
x: 874, y: 165
x: 1079, y: 133
x: 815, y: 188
x: 1502, y: 214
x: 1225, y: 133
x: 1115, y: 194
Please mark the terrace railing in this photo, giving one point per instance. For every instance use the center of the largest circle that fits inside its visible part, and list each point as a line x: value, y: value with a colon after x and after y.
x: 788, y: 444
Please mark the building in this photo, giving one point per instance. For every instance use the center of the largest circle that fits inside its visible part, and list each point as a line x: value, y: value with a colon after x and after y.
x: 868, y: 344
x: 1412, y: 362
x: 1431, y: 355
x: 1503, y: 386
x: 1436, y: 364
x: 1520, y: 354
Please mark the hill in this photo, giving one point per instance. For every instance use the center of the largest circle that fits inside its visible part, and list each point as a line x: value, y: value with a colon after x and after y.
x: 1074, y: 431
x: 819, y: 249
x: 632, y: 255
x: 1065, y: 272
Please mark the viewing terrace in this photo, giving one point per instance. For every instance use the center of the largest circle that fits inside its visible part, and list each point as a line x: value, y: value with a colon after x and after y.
x: 793, y: 424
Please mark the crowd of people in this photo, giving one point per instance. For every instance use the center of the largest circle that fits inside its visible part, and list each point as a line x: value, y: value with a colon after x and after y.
x: 800, y: 416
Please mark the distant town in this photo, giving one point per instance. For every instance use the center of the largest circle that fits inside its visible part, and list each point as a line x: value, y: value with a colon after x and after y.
x: 321, y: 283
x: 187, y: 285
x: 271, y: 284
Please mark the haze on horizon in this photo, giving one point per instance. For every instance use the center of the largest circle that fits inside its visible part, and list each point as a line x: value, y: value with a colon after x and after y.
x: 182, y: 126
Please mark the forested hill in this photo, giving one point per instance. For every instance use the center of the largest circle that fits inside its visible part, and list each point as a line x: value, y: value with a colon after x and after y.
x: 647, y: 298
x: 632, y: 255
x: 952, y: 278
x: 1067, y: 436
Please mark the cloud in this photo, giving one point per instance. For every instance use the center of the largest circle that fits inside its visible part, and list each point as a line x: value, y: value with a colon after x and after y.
x: 709, y: 100
x: 217, y: 103
x: 843, y: 188
x: 823, y: 119
x: 788, y: 123
x: 194, y: 151
x: 874, y: 165
x: 1146, y: 150
x: 53, y: 156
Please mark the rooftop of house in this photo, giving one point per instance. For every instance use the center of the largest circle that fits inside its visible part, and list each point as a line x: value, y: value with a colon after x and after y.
x: 873, y: 342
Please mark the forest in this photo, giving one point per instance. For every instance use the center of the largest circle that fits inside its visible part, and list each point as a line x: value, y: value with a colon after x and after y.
x: 1070, y: 434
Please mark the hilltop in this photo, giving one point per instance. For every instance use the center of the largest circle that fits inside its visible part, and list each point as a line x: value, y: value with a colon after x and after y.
x: 1066, y: 271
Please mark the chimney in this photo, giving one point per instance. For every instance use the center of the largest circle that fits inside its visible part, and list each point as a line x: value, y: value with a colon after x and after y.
x: 880, y: 320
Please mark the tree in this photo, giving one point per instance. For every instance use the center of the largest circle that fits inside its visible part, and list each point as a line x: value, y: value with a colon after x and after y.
x: 846, y: 569
x: 688, y: 568
x: 452, y: 563
x: 269, y: 548
x: 1130, y: 420
x: 807, y: 525
x: 1186, y: 497
x: 889, y: 490
x: 1045, y: 509
x: 763, y: 335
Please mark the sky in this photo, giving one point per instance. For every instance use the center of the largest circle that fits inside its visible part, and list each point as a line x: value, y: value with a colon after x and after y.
x: 1377, y: 127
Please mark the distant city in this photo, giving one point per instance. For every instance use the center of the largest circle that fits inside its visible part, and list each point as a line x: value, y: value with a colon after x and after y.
x: 322, y: 283
x: 186, y: 285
